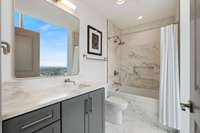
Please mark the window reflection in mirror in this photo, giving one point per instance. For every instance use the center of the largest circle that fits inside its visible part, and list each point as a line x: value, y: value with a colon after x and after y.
x: 45, y: 48
x: 53, y: 39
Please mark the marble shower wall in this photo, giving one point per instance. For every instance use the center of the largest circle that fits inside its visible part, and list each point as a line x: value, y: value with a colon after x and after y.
x: 137, y: 61
x: 140, y: 59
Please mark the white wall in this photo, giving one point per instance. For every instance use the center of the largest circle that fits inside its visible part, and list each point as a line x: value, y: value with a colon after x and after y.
x: 7, y: 35
x: 94, y: 71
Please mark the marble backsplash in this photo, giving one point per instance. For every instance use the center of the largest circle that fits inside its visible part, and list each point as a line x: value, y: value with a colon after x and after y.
x: 138, y: 60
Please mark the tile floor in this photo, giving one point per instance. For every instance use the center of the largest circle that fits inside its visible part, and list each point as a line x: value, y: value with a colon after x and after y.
x: 141, y: 116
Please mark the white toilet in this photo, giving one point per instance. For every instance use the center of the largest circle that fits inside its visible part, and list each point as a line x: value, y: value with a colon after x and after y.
x: 114, y: 109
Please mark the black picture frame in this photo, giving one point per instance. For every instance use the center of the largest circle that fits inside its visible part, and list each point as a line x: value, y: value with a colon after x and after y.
x: 95, y: 41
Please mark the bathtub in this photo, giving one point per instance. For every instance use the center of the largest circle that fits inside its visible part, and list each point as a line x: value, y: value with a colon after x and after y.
x: 149, y: 93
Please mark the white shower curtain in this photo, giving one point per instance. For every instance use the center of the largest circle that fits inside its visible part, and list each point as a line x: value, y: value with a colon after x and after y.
x: 169, y: 112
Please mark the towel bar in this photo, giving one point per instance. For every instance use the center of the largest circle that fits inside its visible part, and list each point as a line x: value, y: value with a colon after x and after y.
x: 90, y: 58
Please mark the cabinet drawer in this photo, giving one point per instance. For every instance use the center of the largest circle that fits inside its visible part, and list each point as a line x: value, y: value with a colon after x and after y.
x: 53, y: 128
x: 32, y: 121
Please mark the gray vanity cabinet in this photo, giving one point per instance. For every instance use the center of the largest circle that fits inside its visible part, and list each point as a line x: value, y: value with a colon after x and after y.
x: 73, y: 115
x: 96, y: 115
x: 34, y: 121
x: 81, y: 114
x: 84, y: 114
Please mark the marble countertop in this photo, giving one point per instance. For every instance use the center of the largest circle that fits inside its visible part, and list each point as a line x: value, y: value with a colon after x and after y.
x: 18, y: 98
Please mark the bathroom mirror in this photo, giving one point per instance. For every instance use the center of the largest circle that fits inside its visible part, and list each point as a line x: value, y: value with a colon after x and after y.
x: 46, y: 40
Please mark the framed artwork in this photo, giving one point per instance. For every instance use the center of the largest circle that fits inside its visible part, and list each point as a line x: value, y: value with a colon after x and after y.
x: 94, y: 41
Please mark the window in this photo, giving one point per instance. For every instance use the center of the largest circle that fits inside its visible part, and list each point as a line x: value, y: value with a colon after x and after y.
x: 53, y: 44
x: 17, y: 17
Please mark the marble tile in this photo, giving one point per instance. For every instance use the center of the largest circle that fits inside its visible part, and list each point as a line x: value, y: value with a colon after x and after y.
x: 140, y: 117
x: 137, y: 61
x: 140, y: 60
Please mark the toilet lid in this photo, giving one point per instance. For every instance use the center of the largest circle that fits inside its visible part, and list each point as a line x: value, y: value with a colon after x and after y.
x: 117, y: 101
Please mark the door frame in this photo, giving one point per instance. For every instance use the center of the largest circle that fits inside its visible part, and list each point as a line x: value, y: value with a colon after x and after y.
x: 0, y: 76
x: 185, y: 67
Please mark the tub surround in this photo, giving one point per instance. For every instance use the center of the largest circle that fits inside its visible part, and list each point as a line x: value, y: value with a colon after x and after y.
x: 140, y: 59
x: 137, y: 61
x: 19, y: 98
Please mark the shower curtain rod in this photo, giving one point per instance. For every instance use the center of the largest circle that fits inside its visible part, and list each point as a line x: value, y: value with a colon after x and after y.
x: 124, y: 34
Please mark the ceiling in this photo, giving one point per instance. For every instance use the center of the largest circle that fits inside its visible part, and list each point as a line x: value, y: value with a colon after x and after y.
x: 125, y: 16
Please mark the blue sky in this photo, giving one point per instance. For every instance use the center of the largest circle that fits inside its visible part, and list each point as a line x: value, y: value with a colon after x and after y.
x: 53, y: 41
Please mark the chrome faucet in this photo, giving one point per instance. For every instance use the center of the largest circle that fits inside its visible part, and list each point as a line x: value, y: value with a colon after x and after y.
x: 68, y: 80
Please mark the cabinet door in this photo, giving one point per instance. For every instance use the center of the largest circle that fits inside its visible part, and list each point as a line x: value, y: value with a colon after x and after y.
x: 74, y: 117
x: 96, y: 109
x: 53, y: 128
x: 32, y: 121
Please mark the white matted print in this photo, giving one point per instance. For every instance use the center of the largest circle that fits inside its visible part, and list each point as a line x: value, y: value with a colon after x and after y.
x: 94, y: 41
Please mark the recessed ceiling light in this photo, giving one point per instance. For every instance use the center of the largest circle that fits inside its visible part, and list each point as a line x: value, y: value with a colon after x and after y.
x: 120, y: 2
x: 140, y: 17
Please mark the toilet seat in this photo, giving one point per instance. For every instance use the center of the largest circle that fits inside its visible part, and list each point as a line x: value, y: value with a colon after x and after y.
x: 117, y: 102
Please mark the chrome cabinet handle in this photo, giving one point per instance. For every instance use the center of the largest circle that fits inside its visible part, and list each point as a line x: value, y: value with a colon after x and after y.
x: 86, y: 106
x: 36, y: 122
x: 90, y: 104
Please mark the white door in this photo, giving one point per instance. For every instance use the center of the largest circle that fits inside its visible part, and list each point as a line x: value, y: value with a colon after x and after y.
x: 190, y: 65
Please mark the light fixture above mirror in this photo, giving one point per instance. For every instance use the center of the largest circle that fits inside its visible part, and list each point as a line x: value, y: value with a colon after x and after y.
x: 66, y: 3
